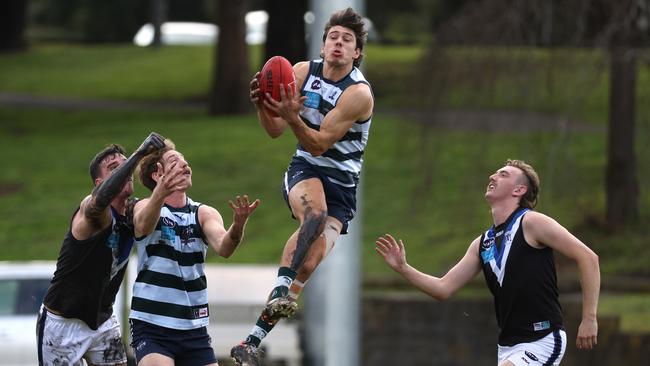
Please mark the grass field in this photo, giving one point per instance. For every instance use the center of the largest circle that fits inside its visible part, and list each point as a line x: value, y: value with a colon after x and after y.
x: 424, y: 184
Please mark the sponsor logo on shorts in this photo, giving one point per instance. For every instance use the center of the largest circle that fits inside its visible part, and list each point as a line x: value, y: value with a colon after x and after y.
x: 140, y: 345
x: 531, y: 355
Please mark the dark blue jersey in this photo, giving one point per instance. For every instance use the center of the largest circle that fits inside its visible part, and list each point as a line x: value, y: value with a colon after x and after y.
x: 523, y: 281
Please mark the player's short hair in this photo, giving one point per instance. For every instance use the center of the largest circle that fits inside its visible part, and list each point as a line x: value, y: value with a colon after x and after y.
x: 149, y: 164
x: 350, y: 19
x: 97, y: 160
x: 531, y: 180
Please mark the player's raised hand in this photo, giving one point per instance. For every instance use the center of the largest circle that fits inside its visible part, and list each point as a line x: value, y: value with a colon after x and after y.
x: 172, y: 179
x: 392, y: 251
x: 153, y: 142
x: 290, y: 102
x: 242, y: 208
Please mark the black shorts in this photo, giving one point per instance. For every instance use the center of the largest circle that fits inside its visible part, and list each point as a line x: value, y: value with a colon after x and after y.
x: 187, y: 347
x: 341, y: 201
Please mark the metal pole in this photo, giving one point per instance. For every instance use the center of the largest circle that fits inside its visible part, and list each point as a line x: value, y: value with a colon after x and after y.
x: 333, y: 295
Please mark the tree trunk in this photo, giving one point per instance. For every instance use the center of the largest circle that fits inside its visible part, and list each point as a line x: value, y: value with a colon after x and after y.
x: 229, y: 92
x: 285, y: 31
x: 158, y: 17
x: 622, y: 185
x: 13, y: 14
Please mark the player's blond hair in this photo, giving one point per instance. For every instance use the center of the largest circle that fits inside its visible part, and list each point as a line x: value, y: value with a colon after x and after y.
x: 531, y: 180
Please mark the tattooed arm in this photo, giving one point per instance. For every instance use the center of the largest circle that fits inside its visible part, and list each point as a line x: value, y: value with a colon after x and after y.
x: 93, y: 214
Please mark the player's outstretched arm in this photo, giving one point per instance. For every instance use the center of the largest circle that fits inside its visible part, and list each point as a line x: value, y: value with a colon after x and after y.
x: 223, y: 241
x: 355, y: 104
x: 94, y: 208
x: 394, y: 254
x: 103, y: 194
x: 543, y: 230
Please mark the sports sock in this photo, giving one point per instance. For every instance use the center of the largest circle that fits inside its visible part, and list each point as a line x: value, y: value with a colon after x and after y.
x: 262, y: 327
x: 264, y: 323
x: 282, y: 284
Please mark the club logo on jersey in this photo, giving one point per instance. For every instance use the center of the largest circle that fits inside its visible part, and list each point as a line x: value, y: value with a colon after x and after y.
x: 531, y: 355
x: 186, y: 234
x: 315, y: 85
x: 487, y: 243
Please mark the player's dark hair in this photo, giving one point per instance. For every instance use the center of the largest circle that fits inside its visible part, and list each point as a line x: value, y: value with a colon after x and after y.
x: 149, y: 164
x: 528, y: 200
x: 350, y: 19
x: 97, y: 160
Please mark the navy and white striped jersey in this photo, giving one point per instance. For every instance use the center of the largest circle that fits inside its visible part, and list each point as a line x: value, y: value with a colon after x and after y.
x: 171, y: 288
x: 342, y: 162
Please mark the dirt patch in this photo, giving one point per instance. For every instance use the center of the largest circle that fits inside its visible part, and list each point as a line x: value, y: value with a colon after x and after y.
x: 7, y: 189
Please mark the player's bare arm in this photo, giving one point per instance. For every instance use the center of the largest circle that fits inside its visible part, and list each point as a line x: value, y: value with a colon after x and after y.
x: 224, y: 242
x: 541, y: 230
x: 355, y: 104
x: 468, y: 267
x: 147, y: 211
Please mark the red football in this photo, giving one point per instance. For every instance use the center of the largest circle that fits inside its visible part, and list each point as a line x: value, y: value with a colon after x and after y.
x: 276, y: 73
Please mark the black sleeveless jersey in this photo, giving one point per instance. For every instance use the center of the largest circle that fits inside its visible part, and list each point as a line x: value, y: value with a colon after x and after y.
x: 523, y: 281
x: 89, y: 272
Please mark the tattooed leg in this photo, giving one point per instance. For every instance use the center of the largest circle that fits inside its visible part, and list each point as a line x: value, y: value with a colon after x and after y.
x: 311, y: 228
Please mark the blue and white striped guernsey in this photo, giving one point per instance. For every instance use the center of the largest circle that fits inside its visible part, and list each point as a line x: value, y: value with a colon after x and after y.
x: 342, y: 162
x: 171, y: 288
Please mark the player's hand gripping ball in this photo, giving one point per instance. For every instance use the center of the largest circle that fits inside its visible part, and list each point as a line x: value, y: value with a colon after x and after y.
x: 277, y: 73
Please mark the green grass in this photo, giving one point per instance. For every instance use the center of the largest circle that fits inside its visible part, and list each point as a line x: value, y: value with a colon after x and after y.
x: 114, y: 71
x: 48, y: 154
x: 633, y: 310
x: 569, y: 82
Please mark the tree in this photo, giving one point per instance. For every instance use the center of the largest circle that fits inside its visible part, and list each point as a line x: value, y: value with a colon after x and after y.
x: 619, y: 27
x: 12, y: 25
x: 623, y: 35
x: 622, y: 185
x: 229, y: 92
x: 285, y: 31
x: 158, y: 17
